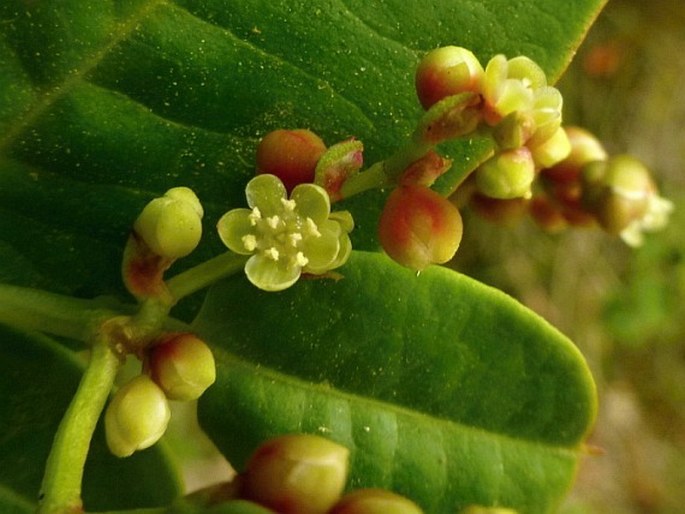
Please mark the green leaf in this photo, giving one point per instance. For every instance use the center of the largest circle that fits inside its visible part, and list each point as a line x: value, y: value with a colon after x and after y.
x: 38, y: 377
x: 444, y: 389
x: 105, y: 104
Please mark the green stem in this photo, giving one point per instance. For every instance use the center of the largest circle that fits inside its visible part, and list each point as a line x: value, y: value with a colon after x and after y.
x: 61, y: 489
x: 32, y: 309
x: 385, y: 172
x: 205, y: 274
x: 372, y: 178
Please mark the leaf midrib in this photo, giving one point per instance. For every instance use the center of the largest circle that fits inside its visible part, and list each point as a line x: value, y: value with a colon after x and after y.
x: 44, y: 101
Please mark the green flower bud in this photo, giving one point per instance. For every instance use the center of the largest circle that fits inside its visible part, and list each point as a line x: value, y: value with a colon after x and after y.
x: 291, y: 155
x: 418, y: 227
x: 375, y: 501
x: 553, y: 150
x: 447, y: 71
x: 296, y: 474
x: 137, y: 417
x: 183, y: 366
x: 171, y: 226
x: 506, y: 175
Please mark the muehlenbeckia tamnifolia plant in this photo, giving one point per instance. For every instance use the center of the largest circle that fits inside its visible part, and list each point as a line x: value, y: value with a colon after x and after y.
x: 289, y: 231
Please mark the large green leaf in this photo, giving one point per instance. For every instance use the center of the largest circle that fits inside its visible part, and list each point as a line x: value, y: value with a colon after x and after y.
x: 444, y: 389
x: 104, y: 104
x: 37, y: 380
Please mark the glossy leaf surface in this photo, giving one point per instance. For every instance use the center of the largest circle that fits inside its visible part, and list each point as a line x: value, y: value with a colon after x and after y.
x: 37, y: 380
x: 433, y: 376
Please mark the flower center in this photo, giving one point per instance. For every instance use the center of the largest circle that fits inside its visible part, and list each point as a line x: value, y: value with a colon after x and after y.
x: 280, y: 237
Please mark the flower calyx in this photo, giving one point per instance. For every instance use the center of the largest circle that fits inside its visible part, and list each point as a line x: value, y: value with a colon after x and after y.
x: 340, y: 162
x: 286, y: 236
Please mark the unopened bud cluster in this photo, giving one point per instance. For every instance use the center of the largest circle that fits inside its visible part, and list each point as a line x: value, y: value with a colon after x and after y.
x: 306, y: 474
x: 177, y: 367
x: 514, y: 104
x: 590, y: 188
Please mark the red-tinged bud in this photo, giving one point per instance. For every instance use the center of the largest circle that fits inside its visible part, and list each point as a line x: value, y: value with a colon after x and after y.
x: 585, y: 148
x: 337, y: 164
x: 447, y: 71
x: 418, y: 227
x: 375, y: 501
x: 291, y: 155
x: 296, y: 474
x: 426, y: 170
x: 183, y: 366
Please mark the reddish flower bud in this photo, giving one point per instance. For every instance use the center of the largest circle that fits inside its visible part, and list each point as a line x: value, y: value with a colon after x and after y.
x: 296, y: 474
x: 183, y: 366
x: 375, y: 501
x: 418, y: 227
x: 291, y: 155
x: 445, y: 72
x: 585, y: 148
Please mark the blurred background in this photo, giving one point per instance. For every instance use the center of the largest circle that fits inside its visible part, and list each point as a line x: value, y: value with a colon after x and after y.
x: 623, y: 307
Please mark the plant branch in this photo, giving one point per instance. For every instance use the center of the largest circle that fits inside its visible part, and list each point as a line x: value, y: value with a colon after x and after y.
x: 61, y: 489
x: 32, y: 309
x: 205, y: 274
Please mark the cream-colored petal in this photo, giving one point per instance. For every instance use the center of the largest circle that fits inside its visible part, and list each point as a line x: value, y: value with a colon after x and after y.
x: 270, y: 275
x: 322, y: 251
x: 233, y: 227
x: 311, y: 201
x: 266, y: 192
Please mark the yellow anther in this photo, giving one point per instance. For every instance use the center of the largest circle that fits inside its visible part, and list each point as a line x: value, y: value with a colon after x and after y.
x: 273, y: 221
x: 294, y: 238
x: 254, y: 216
x: 300, y: 259
x: 289, y: 205
x: 249, y: 242
x: 272, y: 253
